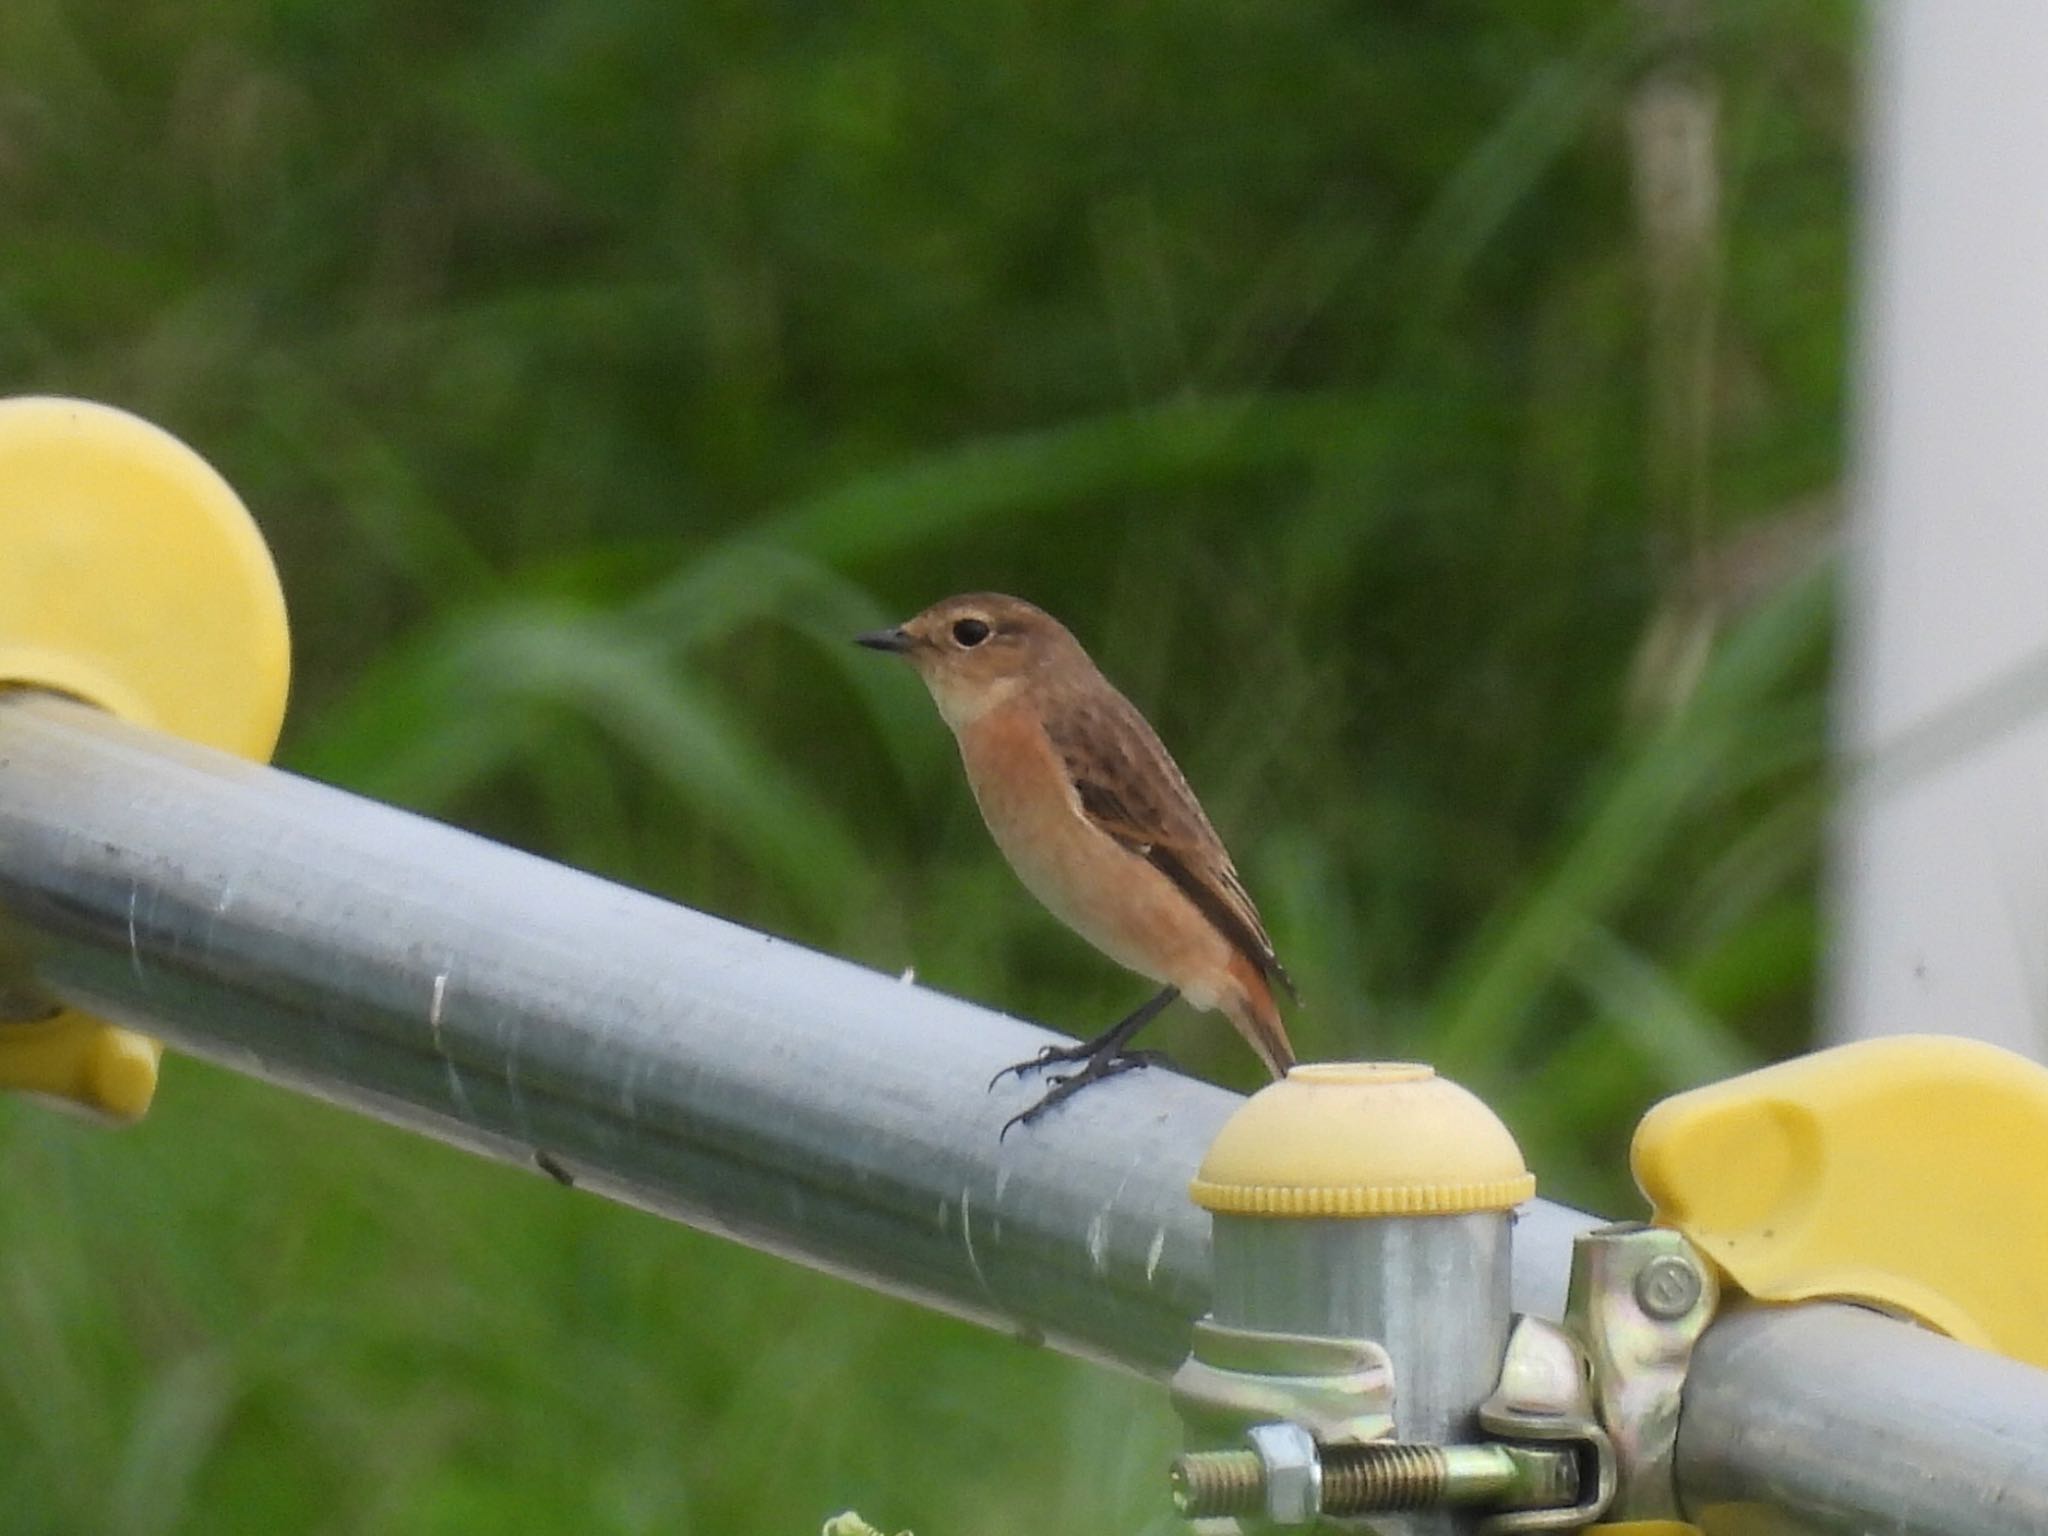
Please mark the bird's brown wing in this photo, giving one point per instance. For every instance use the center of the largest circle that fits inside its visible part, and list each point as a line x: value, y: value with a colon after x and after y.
x: 1131, y: 788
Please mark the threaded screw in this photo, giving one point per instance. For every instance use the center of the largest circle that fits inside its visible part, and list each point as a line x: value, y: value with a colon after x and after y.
x: 1378, y: 1479
x: 1383, y: 1478
x: 1210, y: 1484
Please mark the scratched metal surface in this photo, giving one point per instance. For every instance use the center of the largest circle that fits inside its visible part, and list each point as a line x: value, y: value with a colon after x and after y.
x: 661, y: 1057
x: 806, y: 1106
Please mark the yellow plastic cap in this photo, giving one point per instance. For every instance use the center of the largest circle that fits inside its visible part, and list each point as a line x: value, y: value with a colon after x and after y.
x: 81, y: 1063
x: 131, y: 576
x: 1904, y: 1172
x: 1362, y: 1139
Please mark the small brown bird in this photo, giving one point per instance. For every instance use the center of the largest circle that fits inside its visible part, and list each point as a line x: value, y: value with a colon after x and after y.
x: 1097, y: 821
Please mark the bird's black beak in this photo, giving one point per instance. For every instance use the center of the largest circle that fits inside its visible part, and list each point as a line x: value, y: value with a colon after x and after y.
x: 884, y: 640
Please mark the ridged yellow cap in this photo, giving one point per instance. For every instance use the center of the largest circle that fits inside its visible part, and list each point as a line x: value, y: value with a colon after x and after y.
x: 1384, y: 1138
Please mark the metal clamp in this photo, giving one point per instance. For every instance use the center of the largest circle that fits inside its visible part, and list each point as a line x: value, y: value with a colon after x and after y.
x: 1543, y: 1397
x: 1640, y: 1299
x: 1340, y: 1390
x: 1322, y: 1447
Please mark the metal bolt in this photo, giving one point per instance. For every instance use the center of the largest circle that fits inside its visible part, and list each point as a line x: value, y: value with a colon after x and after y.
x: 1668, y: 1287
x: 1210, y: 1484
x: 1374, y: 1479
x: 1383, y: 1478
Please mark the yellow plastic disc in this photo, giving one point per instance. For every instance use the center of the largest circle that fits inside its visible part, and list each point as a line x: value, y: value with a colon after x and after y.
x: 131, y: 576
x: 1905, y: 1171
x: 82, y: 1063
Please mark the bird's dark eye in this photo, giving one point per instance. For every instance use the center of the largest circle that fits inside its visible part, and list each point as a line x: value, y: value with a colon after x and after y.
x: 970, y: 631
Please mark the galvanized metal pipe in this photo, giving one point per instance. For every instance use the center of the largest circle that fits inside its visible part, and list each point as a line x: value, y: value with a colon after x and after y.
x: 1856, y: 1423
x: 1431, y: 1289
x: 661, y: 1057
x: 807, y: 1106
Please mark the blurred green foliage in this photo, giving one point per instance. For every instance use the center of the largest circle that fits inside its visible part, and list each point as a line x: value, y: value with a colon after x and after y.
x: 1428, y: 413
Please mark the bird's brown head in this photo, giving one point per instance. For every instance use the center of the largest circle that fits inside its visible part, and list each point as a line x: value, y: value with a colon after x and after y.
x: 975, y: 650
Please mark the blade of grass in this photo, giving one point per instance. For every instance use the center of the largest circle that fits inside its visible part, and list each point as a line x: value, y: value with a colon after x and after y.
x: 960, y: 489
x: 1677, y: 1039
x: 1519, y: 954
x: 461, y: 690
x: 1505, y: 166
x: 177, y: 1426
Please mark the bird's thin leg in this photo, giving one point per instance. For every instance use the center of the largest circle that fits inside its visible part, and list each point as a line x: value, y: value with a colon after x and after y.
x: 1094, y: 1070
x: 1103, y: 1057
x: 1109, y: 1043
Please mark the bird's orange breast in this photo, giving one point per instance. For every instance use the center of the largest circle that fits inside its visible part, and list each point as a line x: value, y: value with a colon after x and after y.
x: 1106, y: 893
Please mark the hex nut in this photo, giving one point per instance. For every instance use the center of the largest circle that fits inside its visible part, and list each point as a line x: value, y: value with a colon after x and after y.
x: 1294, y: 1472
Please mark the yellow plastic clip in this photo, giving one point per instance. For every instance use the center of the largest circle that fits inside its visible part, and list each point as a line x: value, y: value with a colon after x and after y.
x: 1904, y: 1172
x: 133, y: 578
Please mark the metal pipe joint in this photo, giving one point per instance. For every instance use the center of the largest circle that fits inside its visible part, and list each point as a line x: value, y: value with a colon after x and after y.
x: 1361, y: 1357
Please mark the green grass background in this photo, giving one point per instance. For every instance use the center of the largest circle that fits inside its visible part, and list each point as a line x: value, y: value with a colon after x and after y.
x: 1337, y: 371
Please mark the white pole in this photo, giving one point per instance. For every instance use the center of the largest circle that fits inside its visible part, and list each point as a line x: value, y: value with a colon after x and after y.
x: 1940, y: 886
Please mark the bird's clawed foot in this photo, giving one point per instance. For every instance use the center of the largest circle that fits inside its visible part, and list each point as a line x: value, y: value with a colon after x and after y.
x: 1051, y: 1056
x: 1109, y: 1043
x: 1094, y: 1069
x: 1104, y: 1056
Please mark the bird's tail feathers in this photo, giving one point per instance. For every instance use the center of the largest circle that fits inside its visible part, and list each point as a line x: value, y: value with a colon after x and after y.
x: 1257, y: 1017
